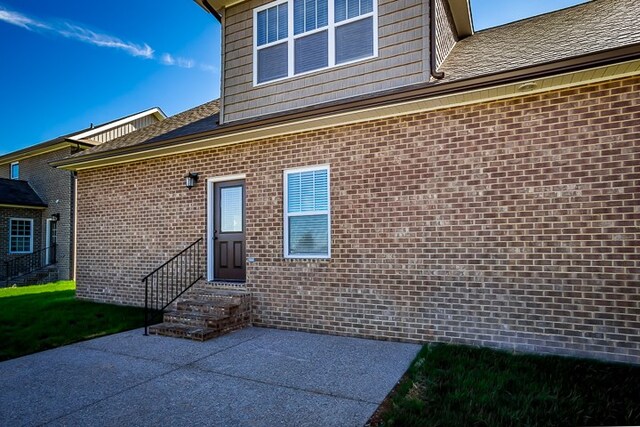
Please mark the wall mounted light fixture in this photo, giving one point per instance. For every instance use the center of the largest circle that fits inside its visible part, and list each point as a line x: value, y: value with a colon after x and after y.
x: 190, y: 180
x: 55, y: 217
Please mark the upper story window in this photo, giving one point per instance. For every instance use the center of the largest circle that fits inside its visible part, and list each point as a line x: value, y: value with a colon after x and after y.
x: 15, y: 170
x: 293, y: 37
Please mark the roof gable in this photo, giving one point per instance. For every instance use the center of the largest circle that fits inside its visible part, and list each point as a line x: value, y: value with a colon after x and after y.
x: 81, y: 138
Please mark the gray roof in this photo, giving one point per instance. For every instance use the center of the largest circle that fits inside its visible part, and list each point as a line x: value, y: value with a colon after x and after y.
x: 199, y: 119
x: 18, y: 193
x: 595, y: 26
x: 66, y: 138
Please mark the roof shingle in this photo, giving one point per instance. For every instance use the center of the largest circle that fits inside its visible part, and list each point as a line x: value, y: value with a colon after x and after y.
x: 596, y: 26
x: 18, y: 193
x: 591, y: 27
x: 199, y: 119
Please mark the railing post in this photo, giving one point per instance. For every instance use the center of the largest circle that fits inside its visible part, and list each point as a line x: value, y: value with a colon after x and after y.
x: 146, y: 307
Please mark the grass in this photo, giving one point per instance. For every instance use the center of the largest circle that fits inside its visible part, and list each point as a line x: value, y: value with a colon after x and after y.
x: 36, y: 318
x: 449, y: 385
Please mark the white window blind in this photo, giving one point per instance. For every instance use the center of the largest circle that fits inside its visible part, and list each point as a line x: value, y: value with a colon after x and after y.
x: 294, y: 37
x: 271, y: 32
x: 307, y: 221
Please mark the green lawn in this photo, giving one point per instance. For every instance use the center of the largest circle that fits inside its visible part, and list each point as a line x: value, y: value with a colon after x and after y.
x: 36, y: 318
x: 449, y: 385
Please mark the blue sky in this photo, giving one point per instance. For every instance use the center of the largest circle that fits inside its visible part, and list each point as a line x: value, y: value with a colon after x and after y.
x: 68, y: 63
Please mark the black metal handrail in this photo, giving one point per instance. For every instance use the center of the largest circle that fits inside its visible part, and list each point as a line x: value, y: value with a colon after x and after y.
x: 166, y: 283
x: 28, y: 263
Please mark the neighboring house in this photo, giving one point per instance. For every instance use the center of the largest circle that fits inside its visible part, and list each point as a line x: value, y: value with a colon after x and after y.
x: 37, y: 201
x: 377, y: 169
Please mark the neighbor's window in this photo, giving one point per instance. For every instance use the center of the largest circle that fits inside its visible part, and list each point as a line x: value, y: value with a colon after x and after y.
x: 15, y: 170
x: 20, y: 236
x: 294, y: 37
x: 307, y: 222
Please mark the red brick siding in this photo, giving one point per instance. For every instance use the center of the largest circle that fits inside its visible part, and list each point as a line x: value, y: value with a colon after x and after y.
x: 510, y: 224
x: 6, y: 213
x: 55, y: 188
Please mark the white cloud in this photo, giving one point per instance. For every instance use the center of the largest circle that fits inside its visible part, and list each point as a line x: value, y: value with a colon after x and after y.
x: 20, y: 20
x: 104, y: 40
x: 209, y: 68
x: 185, y: 62
x: 85, y: 35
x: 167, y: 59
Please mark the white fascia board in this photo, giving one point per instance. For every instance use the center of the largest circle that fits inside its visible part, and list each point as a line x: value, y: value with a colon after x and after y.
x: 88, y: 134
x: 492, y: 93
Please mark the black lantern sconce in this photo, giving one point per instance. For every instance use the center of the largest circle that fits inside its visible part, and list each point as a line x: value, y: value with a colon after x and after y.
x: 190, y: 180
x: 55, y: 217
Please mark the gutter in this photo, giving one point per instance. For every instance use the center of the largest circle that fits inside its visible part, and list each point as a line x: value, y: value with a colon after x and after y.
x: 7, y: 205
x: 411, y: 93
x: 211, y: 10
x: 39, y: 149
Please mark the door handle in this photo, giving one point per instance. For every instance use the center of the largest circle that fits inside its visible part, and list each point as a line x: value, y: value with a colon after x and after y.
x: 215, y: 234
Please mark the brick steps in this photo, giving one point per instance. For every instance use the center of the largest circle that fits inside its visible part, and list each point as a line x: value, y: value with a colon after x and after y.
x: 203, y: 314
x: 43, y: 275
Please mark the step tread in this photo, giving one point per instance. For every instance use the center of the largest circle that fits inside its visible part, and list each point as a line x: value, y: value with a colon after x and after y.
x: 178, y: 330
x: 195, y: 315
x: 179, y: 327
x: 206, y: 303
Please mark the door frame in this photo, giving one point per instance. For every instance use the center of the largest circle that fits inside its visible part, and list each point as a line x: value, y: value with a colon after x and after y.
x: 210, y: 218
x: 47, y: 239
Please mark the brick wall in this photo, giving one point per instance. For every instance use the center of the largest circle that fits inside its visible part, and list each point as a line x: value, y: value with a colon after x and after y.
x: 6, y: 214
x: 54, y: 186
x: 511, y: 224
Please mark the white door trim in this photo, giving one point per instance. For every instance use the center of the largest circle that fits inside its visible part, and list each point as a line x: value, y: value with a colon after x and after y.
x: 48, y: 239
x: 210, y: 212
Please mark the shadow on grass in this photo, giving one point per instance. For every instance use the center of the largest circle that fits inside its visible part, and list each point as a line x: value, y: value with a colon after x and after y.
x: 451, y: 385
x: 34, y: 322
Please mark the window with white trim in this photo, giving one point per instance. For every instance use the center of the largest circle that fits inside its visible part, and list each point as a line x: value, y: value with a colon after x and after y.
x: 307, y: 220
x: 20, y: 236
x: 293, y: 37
x: 15, y: 170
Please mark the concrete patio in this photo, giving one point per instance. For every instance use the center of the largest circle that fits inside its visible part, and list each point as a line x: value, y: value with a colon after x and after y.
x: 252, y: 377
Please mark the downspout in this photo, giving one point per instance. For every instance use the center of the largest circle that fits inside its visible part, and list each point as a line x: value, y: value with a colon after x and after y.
x: 223, y: 49
x: 432, y: 42
x: 220, y: 19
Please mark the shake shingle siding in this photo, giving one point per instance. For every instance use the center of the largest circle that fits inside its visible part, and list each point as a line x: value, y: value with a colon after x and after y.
x: 402, y: 25
x: 510, y: 224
